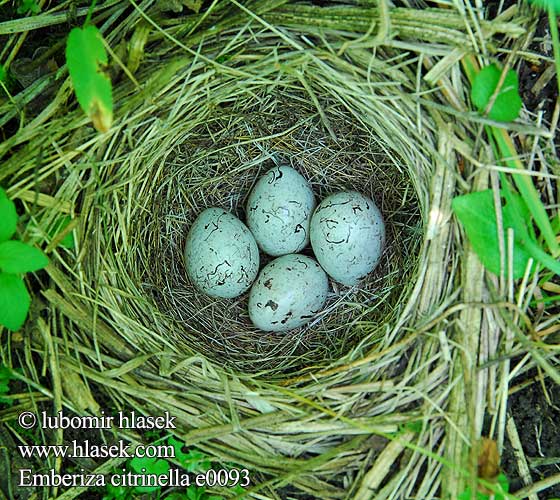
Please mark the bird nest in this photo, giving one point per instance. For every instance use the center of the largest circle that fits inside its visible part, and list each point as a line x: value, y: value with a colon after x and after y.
x: 216, y: 164
x: 221, y: 98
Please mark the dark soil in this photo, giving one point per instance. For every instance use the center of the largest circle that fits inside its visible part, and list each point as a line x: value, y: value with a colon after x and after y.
x: 536, y: 413
x: 537, y: 419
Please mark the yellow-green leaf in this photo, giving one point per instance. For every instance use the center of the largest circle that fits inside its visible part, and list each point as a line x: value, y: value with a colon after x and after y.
x: 86, y: 57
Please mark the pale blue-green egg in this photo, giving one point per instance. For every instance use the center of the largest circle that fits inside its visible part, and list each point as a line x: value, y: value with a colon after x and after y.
x: 279, y: 210
x: 221, y: 255
x: 288, y: 293
x: 347, y: 235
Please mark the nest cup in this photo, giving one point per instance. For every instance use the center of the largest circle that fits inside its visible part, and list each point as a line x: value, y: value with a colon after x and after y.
x: 216, y: 163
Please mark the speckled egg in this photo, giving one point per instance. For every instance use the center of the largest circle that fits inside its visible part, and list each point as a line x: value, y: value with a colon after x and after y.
x: 279, y: 211
x: 347, y: 234
x: 288, y: 293
x: 221, y: 255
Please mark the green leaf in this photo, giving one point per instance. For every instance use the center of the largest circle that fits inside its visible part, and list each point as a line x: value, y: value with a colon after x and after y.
x: 5, y: 374
x: 546, y: 4
x: 17, y: 257
x: 415, y: 427
x: 28, y: 7
x: 176, y: 496
x: 192, y: 460
x: 178, y: 446
x: 195, y: 493
x: 508, y: 103
x: 476, y: 213
x: 59, y: 226
x: 117, y: 492
x: 149, y: 466
x: 502, y: 481
x: 5, y: 377
x: 8, y: 217
x: 193, y: 5
x: 3, y: 74
x: 86, y: 56
x: 14, y: 301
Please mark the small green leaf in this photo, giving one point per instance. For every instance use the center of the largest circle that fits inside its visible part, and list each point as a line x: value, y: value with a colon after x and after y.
x: 5, y: 374
x: 192, y: 460
x: 149, y: 466
x: 415, y: 427
x: 117, y: 492
x: 17, y: 257
x: 502, y: 481
x: 86, y: 56
x: 28, y: 7
x: 5, y: 377
x: 178, y: 446
x: 3, y: 74
x: 476, y: 213
x: 14, y: 301
x: 195, y: 493
x: 508, y: 102
x: 59, y: 226
x: 8, y: 217
x: 193, y: 5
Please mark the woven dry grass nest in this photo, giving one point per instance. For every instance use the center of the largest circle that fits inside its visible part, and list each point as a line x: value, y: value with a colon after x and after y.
x: 219, y: 100
x: 216, y: 164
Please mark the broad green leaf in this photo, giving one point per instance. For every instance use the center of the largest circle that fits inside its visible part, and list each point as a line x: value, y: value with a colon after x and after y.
x: 546, y: 4
x: 17, y: 257
x: 476, y: 213
x: 8, y: 217
x: 86, y: 56
x: 151, y: 466
x: 14, y: 301
x: 508, y: 103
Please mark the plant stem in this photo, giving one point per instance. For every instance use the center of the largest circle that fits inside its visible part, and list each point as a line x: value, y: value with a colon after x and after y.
x: 555, y: 41
x: 90, y: 12
x: 526, y: 188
